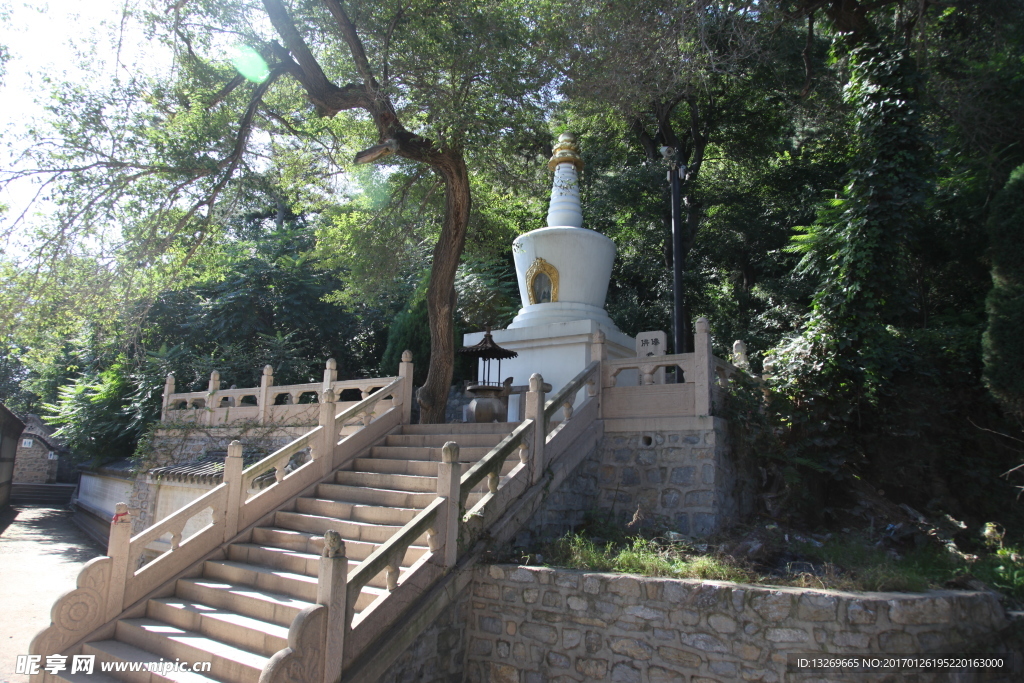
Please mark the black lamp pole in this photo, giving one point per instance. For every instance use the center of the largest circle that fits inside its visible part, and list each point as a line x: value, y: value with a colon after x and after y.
x: 680, y: 325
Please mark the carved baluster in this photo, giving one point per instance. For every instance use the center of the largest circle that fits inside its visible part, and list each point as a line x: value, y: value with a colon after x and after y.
x: 524, y: 452
x: 647, y: 374
x: 279, y: 471
x: 434, y: 537
x: 591, y: 387
x: 391, y: 572
x: 739, y: 355
x: 492, y: 481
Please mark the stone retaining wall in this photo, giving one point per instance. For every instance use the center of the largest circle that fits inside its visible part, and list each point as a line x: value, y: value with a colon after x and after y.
x: 683, y: 479
x: 540, y: 625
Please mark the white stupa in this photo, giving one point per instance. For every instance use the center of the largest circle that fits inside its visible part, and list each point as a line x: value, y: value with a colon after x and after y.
x: 563, y: 272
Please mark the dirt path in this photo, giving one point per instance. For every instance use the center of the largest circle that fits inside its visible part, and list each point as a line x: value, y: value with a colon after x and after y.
x: 41, y: 552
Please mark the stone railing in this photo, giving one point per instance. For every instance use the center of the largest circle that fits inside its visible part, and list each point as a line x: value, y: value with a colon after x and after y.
x: 444, y: 525
x: 266, y: 404
x: 109, y: 585
x: 704, y: 378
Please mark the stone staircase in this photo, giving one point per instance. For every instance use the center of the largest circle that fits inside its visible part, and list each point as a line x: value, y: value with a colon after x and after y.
x: 235, y: 611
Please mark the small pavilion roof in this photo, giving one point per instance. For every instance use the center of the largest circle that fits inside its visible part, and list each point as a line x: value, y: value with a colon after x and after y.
x: 487, y: 349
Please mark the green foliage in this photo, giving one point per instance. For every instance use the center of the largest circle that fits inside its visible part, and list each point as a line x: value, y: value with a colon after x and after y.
x: 642, y: 556
x: 1004, y: 337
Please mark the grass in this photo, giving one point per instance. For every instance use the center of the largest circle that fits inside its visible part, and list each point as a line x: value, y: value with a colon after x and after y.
x: 850, y: 562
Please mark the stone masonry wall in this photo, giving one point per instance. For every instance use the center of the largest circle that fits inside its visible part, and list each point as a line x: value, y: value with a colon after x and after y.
x: 438, y: 655
x: 542, y: 625
x: 33, y: 465
x: 685, y: 478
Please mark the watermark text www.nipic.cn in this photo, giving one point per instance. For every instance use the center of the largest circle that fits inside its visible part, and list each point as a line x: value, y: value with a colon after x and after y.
x: 86, y: 664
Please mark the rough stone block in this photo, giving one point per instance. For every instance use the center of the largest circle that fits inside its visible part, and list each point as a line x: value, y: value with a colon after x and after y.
x: 920, y: 611
x: 479, y: 646
x: 504, y: 647
x: 683, y: 476
x: 551, y: 599
x: 490, y: 625
x: 625, y: 673
x: 539, y: 632
x: 816, y: 607
x: 670, y: 499
x: 571, y: 638
x: 722, y: 623
x: 521, y: 575
x: 896, y: 642
x: 680, y: 657
x: 707, y: 473
x: 856, y: 640
x: 593, y: 642
x: 576, y: 603
x: 626, y: 586
x: 530, y: 595
x: 787, y: 635
x: 703, y: 641
x: 631, y: 647
x: 656, y: 674
x: 861, y: 612
x: 655, y: 475
x: 772, y: 606
x: 593, y: 668
x: 557, y: 660
x: 698, y: 499
x: 503, y: 673
x: 629, y: 477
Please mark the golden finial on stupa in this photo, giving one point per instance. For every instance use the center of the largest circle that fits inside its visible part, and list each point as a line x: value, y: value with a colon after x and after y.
x: 566, y: 151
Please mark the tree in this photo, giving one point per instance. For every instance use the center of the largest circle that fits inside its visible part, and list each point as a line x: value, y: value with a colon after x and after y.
x: 1004, y: 338
x: 164, y: 162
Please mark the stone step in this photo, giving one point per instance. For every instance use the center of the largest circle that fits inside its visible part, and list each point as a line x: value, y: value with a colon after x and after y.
x: 356, y: 531
x: 231, y: 664
x: 392, y: 482
x: 455, y: 428
x: 468, y: 454
x: 355, y: 512
x: 420, y: 468
x: 467, y: 440
x: 115, y: 652
x: 219, y: 624
x: 356, y: 551
x: 294, y: 561
x: 368, y: 495
x: 267, y: 579
x: 240, y: 599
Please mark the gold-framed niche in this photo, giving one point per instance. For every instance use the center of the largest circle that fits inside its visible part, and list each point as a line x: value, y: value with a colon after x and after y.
x: 542, y: 282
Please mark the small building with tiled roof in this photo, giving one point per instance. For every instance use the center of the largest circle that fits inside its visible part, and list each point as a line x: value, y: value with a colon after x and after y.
x: 37, y: 458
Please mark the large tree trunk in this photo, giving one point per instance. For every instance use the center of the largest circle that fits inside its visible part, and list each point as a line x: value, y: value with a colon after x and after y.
x: 433, y: 396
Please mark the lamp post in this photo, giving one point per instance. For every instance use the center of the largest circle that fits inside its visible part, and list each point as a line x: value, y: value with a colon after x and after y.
x: 680, y: 325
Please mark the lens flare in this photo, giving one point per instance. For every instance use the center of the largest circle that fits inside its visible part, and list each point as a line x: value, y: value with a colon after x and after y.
x: 249, y: 63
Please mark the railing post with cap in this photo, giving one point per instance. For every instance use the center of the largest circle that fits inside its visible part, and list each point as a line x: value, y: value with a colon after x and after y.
x: 331, y: 591
x: 211, y: 396
x: 703, y: 368
x: 535, y: 412
x: 324, y: 451
x: 449, y: 476
x: 233, y: 467
x: 168, y: 392
x: 266, y: 382
x: 118, y: 546
x: 405, y: 372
